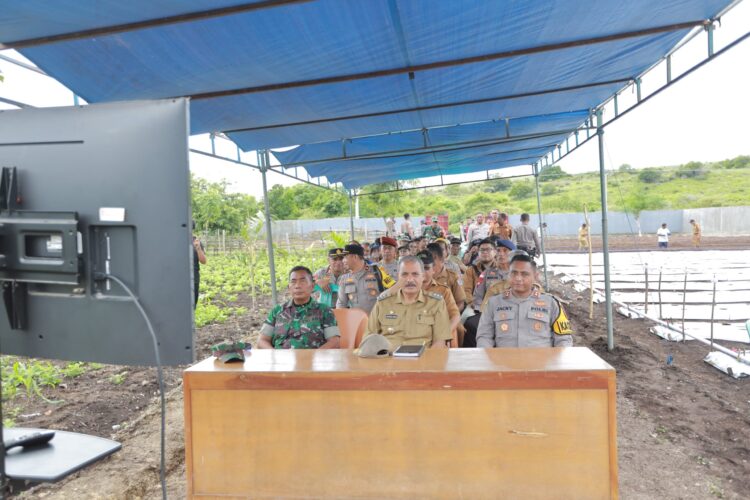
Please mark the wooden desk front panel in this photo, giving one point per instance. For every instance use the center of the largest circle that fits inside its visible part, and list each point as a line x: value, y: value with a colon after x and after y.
x: 329, y: 443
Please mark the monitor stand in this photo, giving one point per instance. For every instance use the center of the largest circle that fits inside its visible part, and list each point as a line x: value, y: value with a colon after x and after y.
x: 64, y: 454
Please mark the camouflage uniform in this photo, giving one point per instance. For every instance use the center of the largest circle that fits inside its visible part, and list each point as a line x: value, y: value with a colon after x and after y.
x: 433, y: 232
x: 424, y: 321
x: 308, y: 326
x: 448, y: 278
x: 361, y: 289
x: 536, y: 321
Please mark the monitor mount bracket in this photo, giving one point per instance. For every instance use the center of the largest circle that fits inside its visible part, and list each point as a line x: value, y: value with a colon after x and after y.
x: 35, y: 247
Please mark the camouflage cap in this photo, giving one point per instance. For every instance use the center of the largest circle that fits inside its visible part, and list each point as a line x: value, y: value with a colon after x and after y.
x: 230, y: 351
x: 374, y: 346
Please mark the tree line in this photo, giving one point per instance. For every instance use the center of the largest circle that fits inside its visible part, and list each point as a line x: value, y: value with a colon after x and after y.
x: 631, y: 190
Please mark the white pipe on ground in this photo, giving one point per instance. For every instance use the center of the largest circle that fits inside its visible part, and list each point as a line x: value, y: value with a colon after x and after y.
x: 742, y: 358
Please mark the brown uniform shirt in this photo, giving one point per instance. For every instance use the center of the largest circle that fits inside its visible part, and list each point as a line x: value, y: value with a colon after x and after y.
x: 425, y: 321
x: 454, y: 282
x: 450, y: 303
x: 505, y: 231
x: 470, y: 278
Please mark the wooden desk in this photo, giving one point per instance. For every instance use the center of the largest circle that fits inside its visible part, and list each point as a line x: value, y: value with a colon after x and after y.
x: 458, y: 423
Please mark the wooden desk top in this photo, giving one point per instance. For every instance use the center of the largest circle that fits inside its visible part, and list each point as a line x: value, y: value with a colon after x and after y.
x: 341, y: 369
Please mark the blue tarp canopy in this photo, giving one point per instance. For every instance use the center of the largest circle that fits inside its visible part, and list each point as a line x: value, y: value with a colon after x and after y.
x: 371, y: 90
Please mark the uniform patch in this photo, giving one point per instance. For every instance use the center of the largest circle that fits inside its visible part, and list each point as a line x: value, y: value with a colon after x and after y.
x: 504, y: 327
x: 537, y: 326
x: 540, y: 303
x: 373, y: 292
x: 434, y: 296
x: 561, y: 325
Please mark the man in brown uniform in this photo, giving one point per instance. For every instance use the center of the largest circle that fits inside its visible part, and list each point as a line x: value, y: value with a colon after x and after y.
x: 696, y: 233
x: 430, y: 285
x: 445, y: 276
x: 409, y: 315
x: 485, y: 257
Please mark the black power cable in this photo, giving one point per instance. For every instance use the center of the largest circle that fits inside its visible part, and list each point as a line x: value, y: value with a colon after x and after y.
x: 101, y: 276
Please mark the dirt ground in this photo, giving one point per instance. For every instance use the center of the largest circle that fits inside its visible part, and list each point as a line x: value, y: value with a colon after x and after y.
x: 683, y: 429
x: 647, y: 242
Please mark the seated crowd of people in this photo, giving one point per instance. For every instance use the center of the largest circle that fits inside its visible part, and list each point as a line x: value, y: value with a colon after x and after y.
x: 432, y: 289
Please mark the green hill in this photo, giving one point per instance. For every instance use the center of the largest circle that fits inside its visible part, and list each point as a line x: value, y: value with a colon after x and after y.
x: 693, y: 185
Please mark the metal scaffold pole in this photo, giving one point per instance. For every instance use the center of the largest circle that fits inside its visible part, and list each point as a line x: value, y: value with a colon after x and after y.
x: 264, y: 162
x: 541, y: 225
x: 351, y: 214
x: 605, y: 232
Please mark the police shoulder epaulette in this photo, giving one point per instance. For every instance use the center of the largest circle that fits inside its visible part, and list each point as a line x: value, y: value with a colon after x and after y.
x: 536, y: 293
x: 384, y: 295
x: 434, y: 295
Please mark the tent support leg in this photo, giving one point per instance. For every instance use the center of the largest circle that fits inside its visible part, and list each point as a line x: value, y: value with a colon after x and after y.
x: 351, y: 214
x: 263, y: 162
x: 541, y: 225
x: 605, y: 232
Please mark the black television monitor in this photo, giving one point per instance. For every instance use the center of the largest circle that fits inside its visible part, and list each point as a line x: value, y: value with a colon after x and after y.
x: 87, y: 192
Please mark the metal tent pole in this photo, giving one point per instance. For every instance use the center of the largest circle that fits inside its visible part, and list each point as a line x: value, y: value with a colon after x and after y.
x: 263, y: 162
x: 351, y: 214
x: 541, y: 225
x: 605, y: 232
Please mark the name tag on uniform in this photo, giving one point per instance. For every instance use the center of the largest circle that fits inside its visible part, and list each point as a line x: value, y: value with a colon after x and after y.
x: 391, y: 316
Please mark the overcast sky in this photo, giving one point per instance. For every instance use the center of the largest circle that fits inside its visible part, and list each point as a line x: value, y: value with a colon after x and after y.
x: 704, y: 117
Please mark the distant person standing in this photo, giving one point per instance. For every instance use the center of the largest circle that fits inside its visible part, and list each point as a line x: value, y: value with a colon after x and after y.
x: 406, y: 227
x: 390, y: 227
x: 662, y: 236
x: 199, y: 257
x: 583, y: 237
x: 479, y: 230
x: 525, y: 237
x: 696, y: 233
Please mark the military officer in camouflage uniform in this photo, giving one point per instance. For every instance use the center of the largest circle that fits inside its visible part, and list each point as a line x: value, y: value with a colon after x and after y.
x: 301, y: 322
x: 523, y: 316
x: 360, y: 287
x: 389, y: 261
x: 409, y: 315
x: 445, y: 276
x: 434, y: 231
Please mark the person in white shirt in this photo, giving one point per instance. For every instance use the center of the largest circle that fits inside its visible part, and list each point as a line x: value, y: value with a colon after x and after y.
x: 406, y: 227
x: 479, y: 230
x: 662, y: 236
